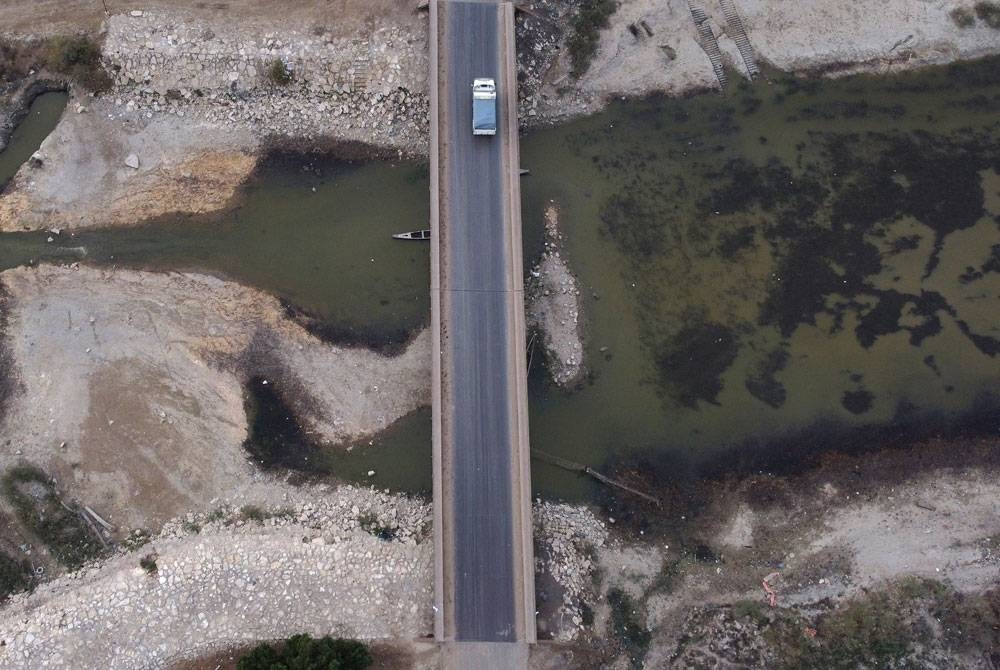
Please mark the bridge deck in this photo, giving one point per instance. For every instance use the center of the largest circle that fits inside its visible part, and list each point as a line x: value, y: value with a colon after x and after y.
x: 484, y: 564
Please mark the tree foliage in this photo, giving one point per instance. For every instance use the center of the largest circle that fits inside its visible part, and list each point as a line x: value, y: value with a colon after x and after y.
x: 302, y: 652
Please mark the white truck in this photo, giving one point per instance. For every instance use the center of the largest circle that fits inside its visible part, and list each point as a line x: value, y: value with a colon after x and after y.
x: 484, y: 107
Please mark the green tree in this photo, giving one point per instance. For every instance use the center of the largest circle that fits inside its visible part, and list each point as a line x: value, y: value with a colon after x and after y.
x: 302, y: 652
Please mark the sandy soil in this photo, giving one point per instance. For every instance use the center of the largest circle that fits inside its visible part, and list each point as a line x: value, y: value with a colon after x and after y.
x: 130, y: 385
x: 84, y: 181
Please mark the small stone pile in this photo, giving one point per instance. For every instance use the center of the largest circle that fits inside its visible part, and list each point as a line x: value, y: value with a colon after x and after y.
x: 553, y: 306
x: 569, y: 537
x: 407, y: 520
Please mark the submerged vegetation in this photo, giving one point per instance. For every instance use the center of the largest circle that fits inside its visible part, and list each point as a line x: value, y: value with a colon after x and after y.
x: 808, y: 227
x: 627, y: 624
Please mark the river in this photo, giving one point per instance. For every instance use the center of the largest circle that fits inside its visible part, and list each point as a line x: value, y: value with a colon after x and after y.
x: 791, y: 266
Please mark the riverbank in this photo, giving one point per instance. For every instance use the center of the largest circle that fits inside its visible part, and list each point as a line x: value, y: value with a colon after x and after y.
x: 233, y: 577
x: 158, y: 365
x: 765, y: 571
x: 758, y: 572
x: 189, y: 73
x: 655, y: 47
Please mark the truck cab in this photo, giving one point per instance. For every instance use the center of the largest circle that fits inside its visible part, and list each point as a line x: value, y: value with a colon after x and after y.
x: 484, y: 107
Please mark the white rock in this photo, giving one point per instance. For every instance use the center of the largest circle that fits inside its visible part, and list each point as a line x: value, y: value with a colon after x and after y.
x: 132, y: 161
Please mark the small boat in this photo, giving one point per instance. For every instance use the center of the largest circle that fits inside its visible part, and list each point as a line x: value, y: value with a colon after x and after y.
x: 414, y: 235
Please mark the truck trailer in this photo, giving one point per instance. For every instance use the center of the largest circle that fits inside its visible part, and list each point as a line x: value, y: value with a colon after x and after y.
x: 484, y: 107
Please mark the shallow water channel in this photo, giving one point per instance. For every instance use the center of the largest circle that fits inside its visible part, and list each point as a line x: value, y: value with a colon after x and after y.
x: 791, y: 266
x: 41, y: 119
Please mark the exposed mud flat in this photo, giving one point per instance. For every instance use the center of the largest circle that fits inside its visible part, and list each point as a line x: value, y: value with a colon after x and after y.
x: 130, y: 385
x: 85, y: 180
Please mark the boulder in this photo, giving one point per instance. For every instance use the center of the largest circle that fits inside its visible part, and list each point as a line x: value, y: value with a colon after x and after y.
x: 132, y: 161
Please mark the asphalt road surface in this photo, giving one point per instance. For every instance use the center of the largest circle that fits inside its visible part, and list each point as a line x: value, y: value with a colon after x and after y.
x: 477, y: 248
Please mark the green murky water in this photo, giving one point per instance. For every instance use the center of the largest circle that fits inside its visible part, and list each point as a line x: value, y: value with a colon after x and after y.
x: 791, y: 265
x: 317, y: 235
x: 41, y: 119
x: 777, y: 265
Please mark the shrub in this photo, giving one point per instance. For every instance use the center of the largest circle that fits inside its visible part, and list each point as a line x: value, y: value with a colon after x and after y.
x: 963, y: 17
x: 593, y: 16
x: 79, y: 57
x: 148, y: 563
x: 252, y: 513
x: 17, y: 58
x: 989, y: 13
x: 278, y: 72
x: 39, y: 509
x: 15, y: 576
x: 302, y: 652
x: 370, y: 523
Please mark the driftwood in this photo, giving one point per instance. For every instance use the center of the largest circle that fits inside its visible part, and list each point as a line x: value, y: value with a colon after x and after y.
x: 531, y: 350
x: 530, y: 12
x: 97, y: 517
x: 93, y: 527
x: 587, y: 470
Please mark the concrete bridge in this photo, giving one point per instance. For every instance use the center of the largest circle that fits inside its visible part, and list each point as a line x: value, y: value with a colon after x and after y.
x: 484, y: 566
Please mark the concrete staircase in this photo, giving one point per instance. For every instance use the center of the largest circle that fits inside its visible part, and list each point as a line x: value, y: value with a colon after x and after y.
x: 708, y: 42
x: 739, y: 35
x: 360, y: 65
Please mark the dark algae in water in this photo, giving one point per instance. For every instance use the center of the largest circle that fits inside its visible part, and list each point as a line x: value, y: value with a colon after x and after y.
x: 400, y: 456
x: 275, y: 439
x: 691, y: 364
x: 749, y: 249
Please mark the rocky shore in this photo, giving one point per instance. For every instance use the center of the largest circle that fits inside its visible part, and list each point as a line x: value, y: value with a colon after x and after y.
x: 369, y: 87
x: 350, y: 562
